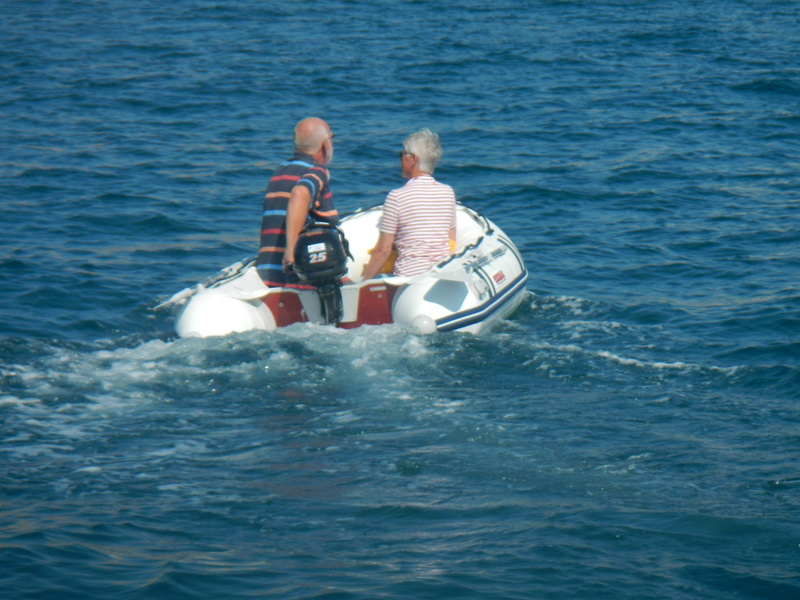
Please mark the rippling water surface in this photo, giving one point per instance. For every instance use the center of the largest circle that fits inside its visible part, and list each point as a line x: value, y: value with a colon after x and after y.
x: 631, y: 432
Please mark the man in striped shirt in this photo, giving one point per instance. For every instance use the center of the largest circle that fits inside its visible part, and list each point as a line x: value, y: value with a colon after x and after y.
x: 297, y: 191
x: 419, y: 219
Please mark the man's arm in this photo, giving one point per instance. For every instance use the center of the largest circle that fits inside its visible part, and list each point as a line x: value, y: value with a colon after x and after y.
x: 379, y: 255
x: 296, y: 215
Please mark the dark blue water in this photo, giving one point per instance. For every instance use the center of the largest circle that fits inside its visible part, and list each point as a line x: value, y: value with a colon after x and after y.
x: 631, y: 432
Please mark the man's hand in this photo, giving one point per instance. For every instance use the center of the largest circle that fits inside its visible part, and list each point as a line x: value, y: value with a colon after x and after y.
x: 288, y: 263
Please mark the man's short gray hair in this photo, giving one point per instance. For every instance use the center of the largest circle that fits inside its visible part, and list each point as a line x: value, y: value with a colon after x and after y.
x: 424, y: 144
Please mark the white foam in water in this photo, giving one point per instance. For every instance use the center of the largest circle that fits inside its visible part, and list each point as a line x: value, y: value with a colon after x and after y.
x: 641, y: 363
x: 91, y: 470
x: 576, y: 306
x: 74, y: 395
x: 578, y: 328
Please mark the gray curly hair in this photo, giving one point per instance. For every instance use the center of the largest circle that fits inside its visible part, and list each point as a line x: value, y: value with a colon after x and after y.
x: 424, y: 144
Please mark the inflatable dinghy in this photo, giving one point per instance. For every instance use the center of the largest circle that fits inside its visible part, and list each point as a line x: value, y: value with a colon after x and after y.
x: 482, y: 282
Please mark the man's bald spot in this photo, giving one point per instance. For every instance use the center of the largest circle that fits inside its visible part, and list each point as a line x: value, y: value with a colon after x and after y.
x: 309, y: 134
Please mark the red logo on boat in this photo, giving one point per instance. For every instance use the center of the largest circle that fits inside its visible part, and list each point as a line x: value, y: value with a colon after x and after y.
x: 499, y: 277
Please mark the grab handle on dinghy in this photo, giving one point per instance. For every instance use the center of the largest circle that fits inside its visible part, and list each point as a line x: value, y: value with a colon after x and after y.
x: 484, y: 259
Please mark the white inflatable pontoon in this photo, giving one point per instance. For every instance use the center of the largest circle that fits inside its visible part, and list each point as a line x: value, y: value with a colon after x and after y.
x: 482, y: 282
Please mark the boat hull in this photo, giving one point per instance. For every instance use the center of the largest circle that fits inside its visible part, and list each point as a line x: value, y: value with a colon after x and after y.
x: 482, y: 283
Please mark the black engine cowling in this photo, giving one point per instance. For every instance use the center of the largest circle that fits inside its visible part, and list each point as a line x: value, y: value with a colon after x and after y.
x: 320, y: 259
x: 320, y: 254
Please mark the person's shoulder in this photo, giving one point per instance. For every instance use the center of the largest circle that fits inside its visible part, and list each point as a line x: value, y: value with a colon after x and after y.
x: 445, y: 187
x: 318, y: 172
x: 429, y: 182
x: 402, y: 189
x: 320, y: 169
x: 416, y: 182
x: 307, y: 161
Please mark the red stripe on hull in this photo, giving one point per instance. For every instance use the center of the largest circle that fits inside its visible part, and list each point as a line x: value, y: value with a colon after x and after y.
x: 374, y: 306
x: 286, y: 308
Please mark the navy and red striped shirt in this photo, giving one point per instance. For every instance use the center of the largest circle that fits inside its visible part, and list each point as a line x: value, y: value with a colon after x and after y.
x: 299, y: 170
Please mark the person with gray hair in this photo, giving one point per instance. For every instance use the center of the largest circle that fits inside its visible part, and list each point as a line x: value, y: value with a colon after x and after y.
x: 419, y: 219
x: 424, y: 144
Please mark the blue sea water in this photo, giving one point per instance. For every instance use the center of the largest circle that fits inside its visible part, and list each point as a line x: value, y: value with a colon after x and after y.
x: 633, y: 431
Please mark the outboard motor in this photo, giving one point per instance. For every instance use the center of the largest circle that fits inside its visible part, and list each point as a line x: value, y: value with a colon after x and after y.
x: 320, y: 260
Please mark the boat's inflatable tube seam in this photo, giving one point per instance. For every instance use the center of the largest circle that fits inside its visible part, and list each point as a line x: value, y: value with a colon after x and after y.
x: 479, y: 313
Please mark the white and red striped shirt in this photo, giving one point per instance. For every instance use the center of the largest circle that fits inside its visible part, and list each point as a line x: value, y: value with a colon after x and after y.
x: 419, y: 215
